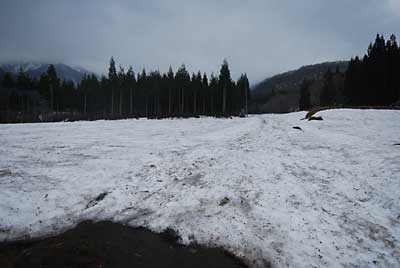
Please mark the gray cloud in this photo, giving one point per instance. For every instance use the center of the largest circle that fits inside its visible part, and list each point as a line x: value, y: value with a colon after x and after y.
x: 260, y: 37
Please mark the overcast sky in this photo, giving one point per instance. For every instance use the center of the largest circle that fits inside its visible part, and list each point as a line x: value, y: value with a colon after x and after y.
x: 260, y: 37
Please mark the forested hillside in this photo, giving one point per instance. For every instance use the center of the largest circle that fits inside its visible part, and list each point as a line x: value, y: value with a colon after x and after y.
x: 280, y: 93
x: 373, y: 80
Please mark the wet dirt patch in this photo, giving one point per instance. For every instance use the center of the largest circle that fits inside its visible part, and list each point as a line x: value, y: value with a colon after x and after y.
x: 5, y: 172
x: 224, y: 201
x: 96, y: 200
x: 107, y: 244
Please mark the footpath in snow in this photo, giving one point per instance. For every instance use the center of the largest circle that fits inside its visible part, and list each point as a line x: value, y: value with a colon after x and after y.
x: 324, y: 196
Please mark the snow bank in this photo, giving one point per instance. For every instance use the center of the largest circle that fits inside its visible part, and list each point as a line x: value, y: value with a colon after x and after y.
x: 327, y: 196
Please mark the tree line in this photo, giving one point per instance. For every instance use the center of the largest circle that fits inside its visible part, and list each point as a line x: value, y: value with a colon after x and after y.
x: 373, y: 80
x: 125, y: 94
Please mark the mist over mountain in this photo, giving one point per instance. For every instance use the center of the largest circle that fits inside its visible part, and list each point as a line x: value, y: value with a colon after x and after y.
x: 280, y: 93
x: 36, y: 69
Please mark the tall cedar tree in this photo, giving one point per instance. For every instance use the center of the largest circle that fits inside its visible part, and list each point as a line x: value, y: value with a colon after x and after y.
x: 113, y: 80
x: 225, y: 83
x: 53, y: 85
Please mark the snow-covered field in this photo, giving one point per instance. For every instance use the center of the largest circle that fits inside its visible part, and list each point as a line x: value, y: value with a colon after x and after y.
x: 327, y: 196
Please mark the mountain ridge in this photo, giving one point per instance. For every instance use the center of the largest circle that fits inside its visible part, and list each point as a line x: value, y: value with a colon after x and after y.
x: 280, y: 93
x: 322, y: 67
x: 36, y: 68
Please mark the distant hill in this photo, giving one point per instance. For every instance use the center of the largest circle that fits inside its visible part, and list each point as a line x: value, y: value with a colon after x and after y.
x: 280, y: 93
x: 1, y: 73
x: 36, y: 69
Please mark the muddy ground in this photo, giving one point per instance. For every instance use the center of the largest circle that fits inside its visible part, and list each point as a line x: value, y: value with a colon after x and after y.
x: 107, y: 244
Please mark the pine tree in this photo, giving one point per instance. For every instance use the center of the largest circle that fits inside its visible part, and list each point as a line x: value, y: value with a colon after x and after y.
x: 182, y: 82
x: 53, y: 84
x: 142, y: 85
x: 112, y: 77
x: 225, y: 83
x: 247, y: 92
x: 68, y: 95
x: 8, y: 81
x: 214, y: 90
x: 131, y: 84
x: 170, y: 85
x: 393, y: 68
x: 155, y: 80
x: 84, y: 88
x: 205, y: 92
x: 23, y: 83
x: 196, y: 90
x: 23, y: 80
x: 244, y: 93
x: 104, y: 88
x: 121, y: 82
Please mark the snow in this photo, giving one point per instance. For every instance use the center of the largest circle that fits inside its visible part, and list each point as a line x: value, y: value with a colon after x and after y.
x: 326, y: 196
x: 15, y: 66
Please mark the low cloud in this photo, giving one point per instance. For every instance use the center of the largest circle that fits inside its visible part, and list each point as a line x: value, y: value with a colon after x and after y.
x: 258, y: 37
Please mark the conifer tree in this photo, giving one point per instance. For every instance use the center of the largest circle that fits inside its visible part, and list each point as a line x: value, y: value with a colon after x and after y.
x: 53, y: 84
x: 247, y: 93
x: 23, y: 80
x: 170, y: 85
x: 225, y: 83
x: 84, y: 88
x: 205, y: 92
x: 182, y: 82
x: 393, y: 67
x: 214, y: 90
x: 112, y: 77
x: 131, y: 84
x: 8, y: 81
x: 121, y: 82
